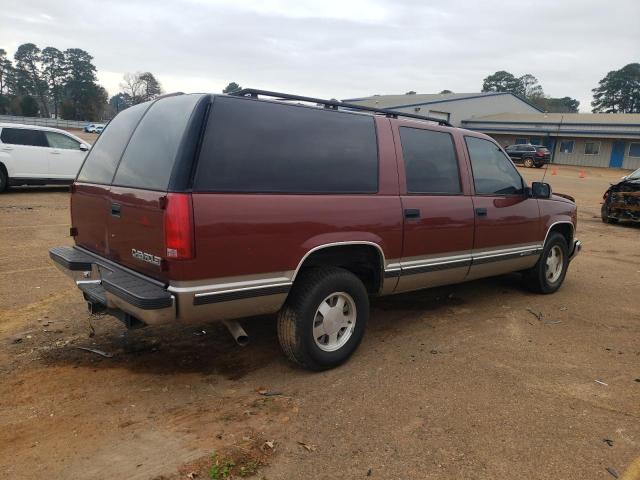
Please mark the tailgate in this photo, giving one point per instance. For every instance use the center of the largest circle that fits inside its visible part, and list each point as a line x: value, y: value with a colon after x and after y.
x: 136, y: 229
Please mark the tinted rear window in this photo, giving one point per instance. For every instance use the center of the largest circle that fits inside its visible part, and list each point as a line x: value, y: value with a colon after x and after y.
x: 23, y: 136
x: 103, y: 158
x: 253, y: 146
x: 430, y: 161
x: 148, y: 160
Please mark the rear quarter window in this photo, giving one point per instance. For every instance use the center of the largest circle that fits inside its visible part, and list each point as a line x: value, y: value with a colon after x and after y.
x: 149, y: 157
x: 23, y: 136
x: 265, y: 147
x: 103, y: 158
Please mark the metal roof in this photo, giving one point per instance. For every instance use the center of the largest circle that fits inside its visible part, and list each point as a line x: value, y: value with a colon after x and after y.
x: 627, y: 119
x: 389, y: 101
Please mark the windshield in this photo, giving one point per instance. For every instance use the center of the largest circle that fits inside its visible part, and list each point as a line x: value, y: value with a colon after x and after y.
x: 634, y: 176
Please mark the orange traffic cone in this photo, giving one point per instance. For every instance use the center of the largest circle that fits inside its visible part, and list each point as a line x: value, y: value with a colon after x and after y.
x: 554, y: 171
x: 581, y: 174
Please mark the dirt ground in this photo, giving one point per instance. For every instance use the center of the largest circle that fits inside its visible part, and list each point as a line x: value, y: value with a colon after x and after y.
x: 456, y: 382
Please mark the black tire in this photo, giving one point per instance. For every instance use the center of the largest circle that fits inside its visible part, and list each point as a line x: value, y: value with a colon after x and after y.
x: 4, y: 180
x: 296, y: 319
x: 604, y: 213
x: 536, y: 278
x: 528, y: 162
x: 539, y: 165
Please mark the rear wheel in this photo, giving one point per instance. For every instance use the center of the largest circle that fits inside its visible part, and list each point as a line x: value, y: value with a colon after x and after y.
x: 548, y: 274
x: 539, y: 165
x: 4, y: 179
x: 324, y: 318
x: 528, y: 162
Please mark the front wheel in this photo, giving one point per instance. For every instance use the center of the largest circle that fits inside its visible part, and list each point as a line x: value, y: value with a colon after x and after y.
x: 528, y: 162
x: 324, y: 318
x: 548, y: 274
x: 4, y: 180
x: 604, y: 213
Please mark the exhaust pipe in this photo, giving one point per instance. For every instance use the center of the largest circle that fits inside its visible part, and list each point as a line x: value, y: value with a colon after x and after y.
x: 237, y: 332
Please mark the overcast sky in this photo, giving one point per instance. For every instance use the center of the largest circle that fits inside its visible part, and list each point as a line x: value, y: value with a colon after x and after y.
x: 341, y: 49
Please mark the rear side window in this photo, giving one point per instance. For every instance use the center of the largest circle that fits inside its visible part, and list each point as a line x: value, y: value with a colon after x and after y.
x: 23, y: 136
x: 253, y: 146
x: 493, y: 172
x: 101, y: 163
x: 148, y: 160
x: 58, y: 140
x: 430, y: 161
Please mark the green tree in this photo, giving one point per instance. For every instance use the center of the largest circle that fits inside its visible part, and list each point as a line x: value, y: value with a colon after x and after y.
x: 54, y: 74
x: 140, y: 87
x: 443, y: 92
x: 410, y: 92
x: 531, y: 87
x: 29, y: 76
x: 83, y: 98
x: 557, y: 105
x: 618, y: 91
x: 120, y: 101
x: 151, y: 87
x: 28, y: 106
x: 6, y: 77
x: 232, y: 87
x: 503, y: 81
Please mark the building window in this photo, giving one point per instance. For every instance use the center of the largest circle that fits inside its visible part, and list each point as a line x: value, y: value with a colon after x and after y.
x: 634, y: 149
x: 566, y: 146
x: 520, y: 141
x: 592, y: 148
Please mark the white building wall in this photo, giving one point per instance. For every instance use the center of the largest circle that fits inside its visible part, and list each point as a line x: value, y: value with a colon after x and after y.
x: 578, y: 157
x: 469, y: 108
x: 632, y: 163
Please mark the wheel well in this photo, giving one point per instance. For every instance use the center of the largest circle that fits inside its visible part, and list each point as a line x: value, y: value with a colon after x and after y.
x: 566, y: 229
x: 364, y: 261
x: 4, y: 169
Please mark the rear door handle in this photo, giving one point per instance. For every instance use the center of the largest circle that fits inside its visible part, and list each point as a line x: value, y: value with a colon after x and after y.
x: 7, y: 149
x: 411, y: 213
x: 115, y: 209
x: 481, y: 212
x: 55, y: 152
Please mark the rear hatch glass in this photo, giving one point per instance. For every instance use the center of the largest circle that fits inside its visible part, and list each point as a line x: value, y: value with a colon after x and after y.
x: 134, y: 224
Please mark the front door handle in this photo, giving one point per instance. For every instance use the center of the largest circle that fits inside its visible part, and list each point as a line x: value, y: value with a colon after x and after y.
x: 481, y: 212
x: 411, y: 213
x: 115, y: 209
x: 7, y: 149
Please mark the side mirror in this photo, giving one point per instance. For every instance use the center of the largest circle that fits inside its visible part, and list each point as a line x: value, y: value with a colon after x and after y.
x: 83, y: 147
x: 540, y: 190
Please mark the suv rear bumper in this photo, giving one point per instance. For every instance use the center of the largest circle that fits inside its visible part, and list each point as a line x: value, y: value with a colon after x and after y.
x: 106, y: 285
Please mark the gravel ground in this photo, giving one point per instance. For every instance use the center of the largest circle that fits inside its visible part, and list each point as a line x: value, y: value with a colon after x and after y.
x: 456, y: 382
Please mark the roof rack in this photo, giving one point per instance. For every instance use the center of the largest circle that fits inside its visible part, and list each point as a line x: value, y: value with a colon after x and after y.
x: 334, y: 104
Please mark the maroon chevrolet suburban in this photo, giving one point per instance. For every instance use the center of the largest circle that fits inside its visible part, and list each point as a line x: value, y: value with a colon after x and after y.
x: 216, y: 207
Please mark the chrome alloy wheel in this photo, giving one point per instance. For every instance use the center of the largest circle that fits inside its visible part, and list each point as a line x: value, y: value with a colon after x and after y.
x: 554, y: 264
x: 334, y: 321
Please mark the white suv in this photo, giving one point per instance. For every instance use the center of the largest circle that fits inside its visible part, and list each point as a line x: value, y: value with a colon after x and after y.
x: 31, y: 155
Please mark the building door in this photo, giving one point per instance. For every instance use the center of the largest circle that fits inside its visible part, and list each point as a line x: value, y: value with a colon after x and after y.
x: 617, y: 154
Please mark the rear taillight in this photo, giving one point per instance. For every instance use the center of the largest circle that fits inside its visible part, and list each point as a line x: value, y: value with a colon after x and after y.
x: 178, y: 227
x: 539, y: 154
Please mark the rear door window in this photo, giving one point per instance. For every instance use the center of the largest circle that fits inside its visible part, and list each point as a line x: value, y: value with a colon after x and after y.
x: 430, y: 161
x: 58, y: 140
x: 23, y: 136
x: 148, y: 159
x: 267, y: 147
x: 493, y: 172
x: 101, y: 163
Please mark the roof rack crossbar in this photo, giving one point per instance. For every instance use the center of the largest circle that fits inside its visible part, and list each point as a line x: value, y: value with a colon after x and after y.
x: 334, y: 104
